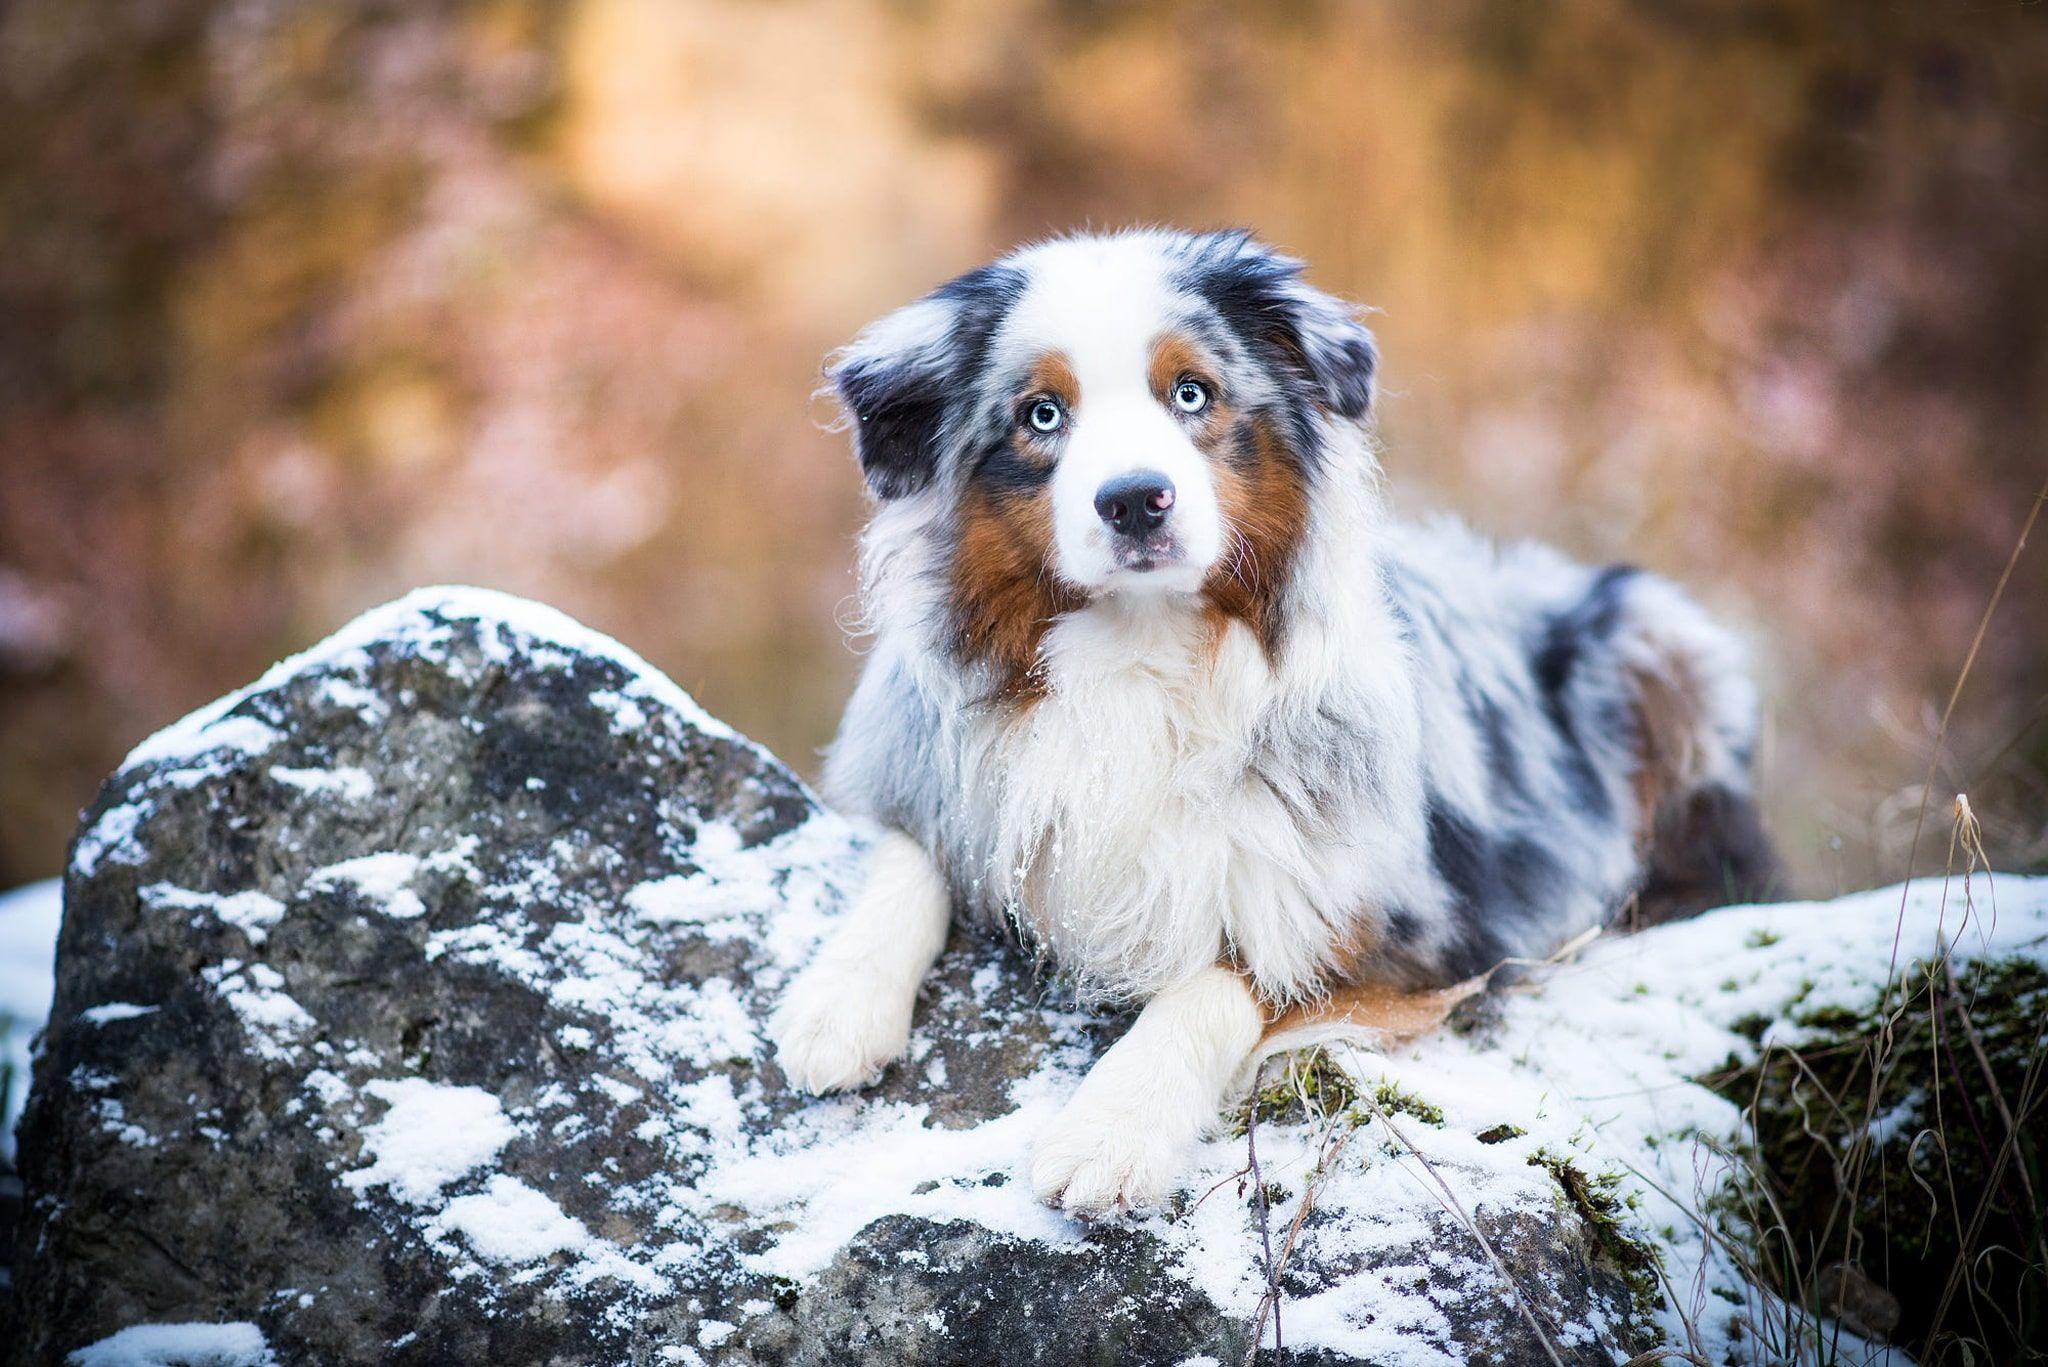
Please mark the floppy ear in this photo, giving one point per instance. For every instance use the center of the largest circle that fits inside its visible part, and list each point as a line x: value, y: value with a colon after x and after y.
x: 1319, y: 336
x: 901, y: 379
x: 1336, y: 349
x: 892, y: 381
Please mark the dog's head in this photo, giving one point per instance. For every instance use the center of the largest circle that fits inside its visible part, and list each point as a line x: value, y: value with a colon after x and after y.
x: 1142, y: 413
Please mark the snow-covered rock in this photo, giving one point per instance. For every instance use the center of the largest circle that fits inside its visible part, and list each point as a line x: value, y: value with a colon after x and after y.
x: 409, y: 1009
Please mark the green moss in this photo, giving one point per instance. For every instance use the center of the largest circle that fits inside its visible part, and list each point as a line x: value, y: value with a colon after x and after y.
x: 1751, y: 1027
x: 1395, y: 1101
x: 1877, y: 1143
x: 1316, y: 1090
x: 1837, y: 1018
x: 1501, y: 1134
x: 1312, y: 1088
x: 1600, y: 1205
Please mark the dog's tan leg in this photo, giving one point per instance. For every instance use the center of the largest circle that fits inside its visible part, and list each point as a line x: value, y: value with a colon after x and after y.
x: 848, y: 1013
x: 1370, y: 1013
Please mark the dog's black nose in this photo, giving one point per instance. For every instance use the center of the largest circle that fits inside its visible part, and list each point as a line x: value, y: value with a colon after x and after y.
x: 1135, y: 504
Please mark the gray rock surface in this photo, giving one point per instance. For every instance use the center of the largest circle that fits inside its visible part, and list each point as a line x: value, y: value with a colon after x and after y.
x: 408, y: 1009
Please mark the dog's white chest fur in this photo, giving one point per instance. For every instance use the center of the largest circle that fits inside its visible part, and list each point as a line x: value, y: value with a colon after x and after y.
x: 1133, y: 832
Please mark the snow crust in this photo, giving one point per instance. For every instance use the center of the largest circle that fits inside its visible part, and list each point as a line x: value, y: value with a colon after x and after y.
x: 431, y: 1135
x: 383, y: 878
x: 179, y: 1345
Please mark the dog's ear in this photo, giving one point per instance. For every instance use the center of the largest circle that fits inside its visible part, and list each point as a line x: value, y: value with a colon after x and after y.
x: 892, y: 381
x: 1336, y: 349
x: 903, y: 378
x: 1262, y: 295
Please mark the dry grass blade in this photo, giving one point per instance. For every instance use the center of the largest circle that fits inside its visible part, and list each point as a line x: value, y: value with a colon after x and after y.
x: 1330, y: 1147
x: 1471, y: 1226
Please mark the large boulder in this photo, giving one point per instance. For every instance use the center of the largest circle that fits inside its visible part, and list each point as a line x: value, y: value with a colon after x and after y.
x: 409, y: 1009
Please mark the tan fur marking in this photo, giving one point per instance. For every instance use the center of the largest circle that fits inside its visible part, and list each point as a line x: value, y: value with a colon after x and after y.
x: 1173, y: 357
x: 1003, y: 586
x: 1387, y: 1014
x: 1053, y: 374
x: 1265, y: 507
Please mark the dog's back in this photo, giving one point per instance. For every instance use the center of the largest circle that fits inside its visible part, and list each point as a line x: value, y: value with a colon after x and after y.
x: 1589, y: 732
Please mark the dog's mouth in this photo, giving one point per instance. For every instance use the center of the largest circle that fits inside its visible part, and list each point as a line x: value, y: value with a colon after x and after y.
x: 1153, y: 553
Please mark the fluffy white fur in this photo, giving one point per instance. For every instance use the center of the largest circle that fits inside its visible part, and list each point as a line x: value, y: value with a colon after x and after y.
x: 848, y: 1013
x: 1106, y: 317
x: 1122, y: 1141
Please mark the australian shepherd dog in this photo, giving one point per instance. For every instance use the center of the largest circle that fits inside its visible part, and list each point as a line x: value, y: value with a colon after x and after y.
x: 1157, y: 683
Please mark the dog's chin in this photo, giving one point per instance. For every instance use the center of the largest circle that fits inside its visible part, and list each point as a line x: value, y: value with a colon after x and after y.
x: 1162, y: 572
x: 1156, y: 575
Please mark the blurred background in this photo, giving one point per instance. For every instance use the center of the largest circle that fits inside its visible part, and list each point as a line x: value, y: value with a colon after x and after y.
x: 303, y: 305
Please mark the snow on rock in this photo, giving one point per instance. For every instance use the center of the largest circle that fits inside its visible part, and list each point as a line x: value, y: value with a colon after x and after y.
x: 386, y: 879
x: 178, y: 1345
x: 353, y: 785
x: 510, y: 1222
x: 250, y: 910
x: 432, y: 1135
x: 490, y: 1083
x: 113, y: 1011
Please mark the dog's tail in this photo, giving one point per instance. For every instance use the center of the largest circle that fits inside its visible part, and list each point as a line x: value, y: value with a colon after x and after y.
x: 1696, y: 728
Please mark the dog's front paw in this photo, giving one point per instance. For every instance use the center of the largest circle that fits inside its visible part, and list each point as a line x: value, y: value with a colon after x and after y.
x: 834, y: 1032
x: 1102, y: 1158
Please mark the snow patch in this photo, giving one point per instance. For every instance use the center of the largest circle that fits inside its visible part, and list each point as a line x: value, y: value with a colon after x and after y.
x: 253, y: 912
x: 431, y: 1136
x: 114, y: 1011
x: 627, y: 715
x: 729, y: 886
x: 254, y: 992
x: 200, y: 734
x: 510, y: 1222
x: 383, y: 878
x: 179, y: 1345
x: 110, y: 837
x: 348, y: 784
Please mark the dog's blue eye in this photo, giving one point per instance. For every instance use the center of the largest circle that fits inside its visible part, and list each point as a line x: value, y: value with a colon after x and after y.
x: 1045, y: 416
x: 1190, y: 396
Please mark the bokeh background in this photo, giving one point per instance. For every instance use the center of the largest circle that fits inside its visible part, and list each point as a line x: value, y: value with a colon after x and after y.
x: 302, y: 305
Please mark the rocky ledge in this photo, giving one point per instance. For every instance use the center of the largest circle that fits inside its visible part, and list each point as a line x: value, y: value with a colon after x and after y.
x: 409, y: 1009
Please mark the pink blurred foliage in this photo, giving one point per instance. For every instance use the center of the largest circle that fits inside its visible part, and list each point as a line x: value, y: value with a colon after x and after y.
x: 304, y: 306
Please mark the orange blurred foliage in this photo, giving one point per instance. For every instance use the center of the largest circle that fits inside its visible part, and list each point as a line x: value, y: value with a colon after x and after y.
x: 303, y: 305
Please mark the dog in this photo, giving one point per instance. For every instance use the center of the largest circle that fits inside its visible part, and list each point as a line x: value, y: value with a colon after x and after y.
x: 1157, y: 683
